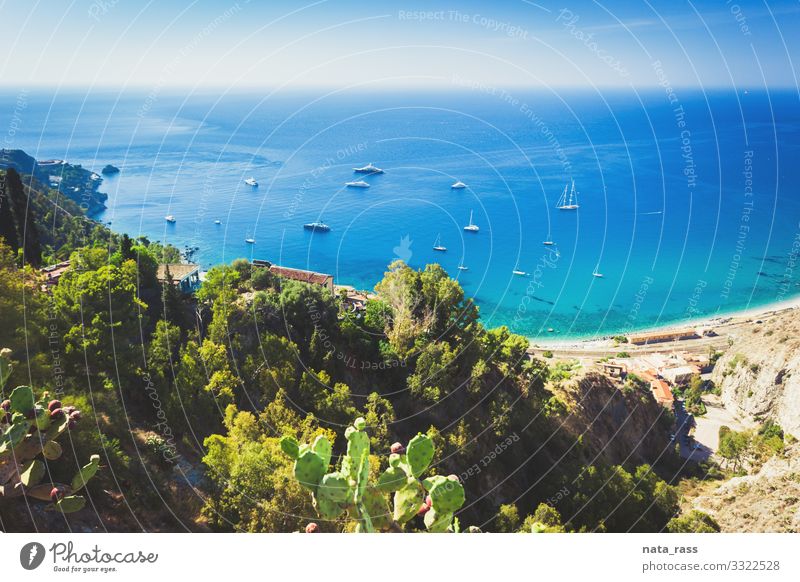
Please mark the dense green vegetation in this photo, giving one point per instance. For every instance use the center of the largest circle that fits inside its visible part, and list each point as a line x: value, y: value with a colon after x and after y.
x: 209, y: 384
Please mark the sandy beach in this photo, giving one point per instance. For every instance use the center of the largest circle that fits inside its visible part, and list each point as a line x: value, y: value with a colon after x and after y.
x: 723, y: 325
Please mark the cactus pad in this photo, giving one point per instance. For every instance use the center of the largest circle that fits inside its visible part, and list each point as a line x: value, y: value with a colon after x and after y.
x: 82, y: 477
x: 407, y: 501
x: 437, y: 522
x: 419, y: 454
x: 447, y: 496
x: 391, y: 480
x: 290, y: 447
x: 309, y: 469
x: 326, y: 508
x: 70, y: 504
x: 334, y: 487
x: 378, y: 508
x: 322, y: 446
x: 22, y: 399
x: 32, y: 472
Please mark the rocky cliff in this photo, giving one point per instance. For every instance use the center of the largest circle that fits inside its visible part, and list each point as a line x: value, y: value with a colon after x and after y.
x: 73, y: 181
x: 759, y: 375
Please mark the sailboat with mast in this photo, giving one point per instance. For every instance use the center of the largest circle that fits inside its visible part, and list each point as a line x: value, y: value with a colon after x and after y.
x: 471, y: 227
x: 569, y: 198
x: 437, y: 244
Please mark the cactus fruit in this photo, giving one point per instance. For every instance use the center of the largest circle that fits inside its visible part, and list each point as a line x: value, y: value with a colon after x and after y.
x: 419, y: 454
x: 312, y: 528
x: 56, y: 493
x: 360, y: 424
x: 53, y: 404
x: 397, y: 449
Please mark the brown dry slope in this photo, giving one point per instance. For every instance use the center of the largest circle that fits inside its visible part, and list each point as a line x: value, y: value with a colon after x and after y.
x: 759, y: 377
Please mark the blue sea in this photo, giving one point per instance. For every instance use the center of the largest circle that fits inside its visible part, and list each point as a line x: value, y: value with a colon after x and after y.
x: 688, y: 202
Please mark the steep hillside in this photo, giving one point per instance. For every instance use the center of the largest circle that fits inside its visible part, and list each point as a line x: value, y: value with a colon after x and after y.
x: 74, y: 182
x: 759, y: 375
x: 767, y: 501
x: 617, y: 426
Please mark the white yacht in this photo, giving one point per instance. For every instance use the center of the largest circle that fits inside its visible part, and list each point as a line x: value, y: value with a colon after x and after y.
x: 217, y: 222
x: 171, y: 219
x: 317, y: 226
x: 437, y: 245
x: 370, y: 168
x: 518, y: 272
x: 597, y: 273
x: 471, y: 227
x: 251, y: 182
x: 463, y: 268
x: 568, y: 201
x: 357, y: 184
x: 250, y: 241
x: 458, y: 185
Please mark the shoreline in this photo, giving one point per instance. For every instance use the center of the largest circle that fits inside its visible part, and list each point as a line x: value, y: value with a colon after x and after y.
x: 719, y: 320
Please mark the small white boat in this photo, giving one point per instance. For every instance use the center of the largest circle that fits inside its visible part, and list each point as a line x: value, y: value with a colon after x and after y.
x: 568, y: 201
x: 368, y: 169
x: 597, y: 273
x: 463, y: 268
x: 437, y: 245
x: 458, y: 185
x: 548, y: 243
x: 518, y: 272
x: 317, y: 226
x: 171, y: 219
x: 357, y: 184
x: 217, y: 222
x: 251, y: 182
x: 250, y: 241
x: 471, y: 227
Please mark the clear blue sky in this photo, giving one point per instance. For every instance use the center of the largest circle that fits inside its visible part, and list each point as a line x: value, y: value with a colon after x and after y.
x: 430, y: 43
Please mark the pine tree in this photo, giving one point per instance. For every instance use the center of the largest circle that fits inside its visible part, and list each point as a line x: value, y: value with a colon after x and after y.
x: 23, y: 213
x: 8, y: 230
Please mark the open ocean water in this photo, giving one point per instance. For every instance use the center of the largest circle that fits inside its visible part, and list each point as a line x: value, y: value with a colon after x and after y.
x: 688, y: 207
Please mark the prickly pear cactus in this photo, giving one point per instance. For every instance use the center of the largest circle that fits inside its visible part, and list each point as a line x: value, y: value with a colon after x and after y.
x: 29, y: 428
x: 347, y: 490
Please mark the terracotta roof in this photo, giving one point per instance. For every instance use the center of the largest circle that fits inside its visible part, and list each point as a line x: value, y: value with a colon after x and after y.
x: 661, y: 391
x: 301, y: 275
x: 178, y: 271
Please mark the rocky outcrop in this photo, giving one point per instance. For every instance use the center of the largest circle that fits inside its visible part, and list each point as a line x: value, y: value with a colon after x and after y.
x: 616, y: 426
x: 767, y: 501
x: 759, y: 375
x: 73, y: 181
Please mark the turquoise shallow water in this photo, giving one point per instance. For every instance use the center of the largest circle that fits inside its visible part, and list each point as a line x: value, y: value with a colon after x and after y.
x: 687, y: 208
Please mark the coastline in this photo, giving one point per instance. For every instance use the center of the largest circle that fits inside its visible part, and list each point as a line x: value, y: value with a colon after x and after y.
x: 719, y: 321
